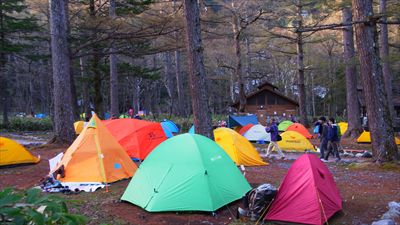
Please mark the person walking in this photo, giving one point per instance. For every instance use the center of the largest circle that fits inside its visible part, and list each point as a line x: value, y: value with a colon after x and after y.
x: 333, y: 140
x: 273, y: 130
x: 323, y: 137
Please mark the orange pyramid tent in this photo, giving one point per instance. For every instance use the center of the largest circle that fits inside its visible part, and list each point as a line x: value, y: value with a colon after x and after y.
x: 137, y: 137
x: 95, y: 156
x: 300, y: 129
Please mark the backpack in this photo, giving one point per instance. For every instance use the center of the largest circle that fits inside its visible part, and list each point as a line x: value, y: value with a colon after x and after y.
x: 258, y: 199
x: 339, y: 132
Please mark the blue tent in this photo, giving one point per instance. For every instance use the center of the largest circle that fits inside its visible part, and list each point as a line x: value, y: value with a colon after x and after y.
x: 170, y: 125
x: 234, y: 121
x: 167, y: 130
x: 191, y: 130
x: 40, y: 116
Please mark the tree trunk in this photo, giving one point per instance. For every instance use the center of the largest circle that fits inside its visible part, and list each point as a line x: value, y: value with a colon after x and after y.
x: 384, y: 54
x: 353, y: 106
x: 379, y: 119
x: 98, y: 98
x: 85, y: 90
x: 113, y: 73
x: 197, y: 74
x: 169, y: 80
x: 300, y: 71
x: 238, y: 61
x: 63, y: 114
x: 182, y: 111
x: 5, y: 95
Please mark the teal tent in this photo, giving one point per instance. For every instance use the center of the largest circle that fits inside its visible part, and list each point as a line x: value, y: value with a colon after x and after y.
x: 284, y: 125
x: 188, y: 172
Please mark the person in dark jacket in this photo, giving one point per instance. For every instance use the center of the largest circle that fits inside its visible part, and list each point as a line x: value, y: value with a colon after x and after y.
x: 323, y: 137
x: 333, y: 139
x: 273, y: 130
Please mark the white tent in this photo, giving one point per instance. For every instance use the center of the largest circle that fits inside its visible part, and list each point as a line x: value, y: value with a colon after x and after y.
x: 257, y: 133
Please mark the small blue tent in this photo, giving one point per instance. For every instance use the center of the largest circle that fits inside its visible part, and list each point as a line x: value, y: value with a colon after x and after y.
x: 191, y: 130
x: 169, y: 128
x: 234, y: 121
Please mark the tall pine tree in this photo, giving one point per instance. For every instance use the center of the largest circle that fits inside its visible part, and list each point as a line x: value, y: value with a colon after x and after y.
x: 15, y: 24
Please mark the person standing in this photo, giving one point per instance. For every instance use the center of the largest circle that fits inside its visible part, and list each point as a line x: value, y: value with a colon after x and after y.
x: 323, y: 137
x: 333, y: 140
x: 273, y: 130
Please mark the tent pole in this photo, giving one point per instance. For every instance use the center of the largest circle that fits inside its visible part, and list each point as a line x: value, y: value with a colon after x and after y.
x: 101, y: 156
x: 322, y: 207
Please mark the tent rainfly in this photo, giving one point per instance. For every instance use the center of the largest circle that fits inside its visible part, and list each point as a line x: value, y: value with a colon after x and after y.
x: 307, y: 195
x: 188, y: 172
x: 241, y: 151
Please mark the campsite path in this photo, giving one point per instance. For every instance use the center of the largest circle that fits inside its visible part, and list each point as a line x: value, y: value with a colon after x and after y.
x: 365, y: 189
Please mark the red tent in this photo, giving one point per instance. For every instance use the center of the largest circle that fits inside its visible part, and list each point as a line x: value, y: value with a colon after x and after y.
x: 307, y: 195
x: 298, y: 127
x: 137, y: 137
x: 245, y: 128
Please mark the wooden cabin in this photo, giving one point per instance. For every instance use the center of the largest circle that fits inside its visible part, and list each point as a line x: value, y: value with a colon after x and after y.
x: 268, y: 101
x: 396, y: 103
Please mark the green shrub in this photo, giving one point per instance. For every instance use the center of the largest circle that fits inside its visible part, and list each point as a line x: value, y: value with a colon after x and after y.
x: 30, y: 207
x: 29, y: 124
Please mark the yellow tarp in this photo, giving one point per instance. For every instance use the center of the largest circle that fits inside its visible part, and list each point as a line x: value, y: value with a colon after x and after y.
x: 292, y: 140
x: 241, y: 151
x: 365, y: 137
x: 343, y: 127
x: 13, y: 153
x: 95, y: 156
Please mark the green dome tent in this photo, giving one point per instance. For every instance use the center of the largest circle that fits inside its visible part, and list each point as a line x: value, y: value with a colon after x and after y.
x: 284, y: 125
x: 188, y: 172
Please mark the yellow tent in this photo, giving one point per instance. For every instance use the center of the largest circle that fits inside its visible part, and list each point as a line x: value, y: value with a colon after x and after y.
x: 365, y: 137
x: 292, y: 140
x: 13, y: 153
x: 241, y: 151
x: 79, y: 125
x: 95, y: 156
x: 343, y: 127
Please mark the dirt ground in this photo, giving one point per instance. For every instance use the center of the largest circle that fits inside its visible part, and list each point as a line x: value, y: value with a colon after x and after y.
x: 365, y: 188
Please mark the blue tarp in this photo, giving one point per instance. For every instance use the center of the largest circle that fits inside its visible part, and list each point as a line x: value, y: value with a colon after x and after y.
x: 234, y: 121
x: 40, y: 116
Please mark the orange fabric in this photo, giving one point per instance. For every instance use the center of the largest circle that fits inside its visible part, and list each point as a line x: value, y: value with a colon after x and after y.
x: 95, y: 156
x: 300, y: 129
x: 245, y: 128
x: 138, y: 137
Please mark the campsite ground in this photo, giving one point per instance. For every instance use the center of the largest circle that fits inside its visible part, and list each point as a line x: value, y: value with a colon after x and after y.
x: 365, y: 187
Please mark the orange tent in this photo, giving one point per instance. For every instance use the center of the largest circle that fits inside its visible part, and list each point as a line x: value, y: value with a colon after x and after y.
x: 138, y: 137
x: 95, y: 156
x: 245, y: 128
x: 300, y: 129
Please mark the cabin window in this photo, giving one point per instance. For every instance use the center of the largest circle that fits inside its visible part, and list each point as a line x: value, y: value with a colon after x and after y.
x: 271, y: 99
x: 261, y: 98
x: 252, y: 101
x: 282, y: 101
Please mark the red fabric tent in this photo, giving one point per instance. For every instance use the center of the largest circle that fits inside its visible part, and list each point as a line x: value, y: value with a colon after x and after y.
x: 307, y: 195
x: 137, y: 137
x: 245, y: 129
x: 298, y: 127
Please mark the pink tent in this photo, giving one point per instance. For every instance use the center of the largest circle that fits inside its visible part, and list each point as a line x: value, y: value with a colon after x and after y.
x: 308, y: 194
